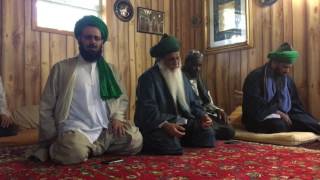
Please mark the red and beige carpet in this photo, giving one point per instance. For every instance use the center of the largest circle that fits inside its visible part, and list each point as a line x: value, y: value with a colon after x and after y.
x: 241, y: 160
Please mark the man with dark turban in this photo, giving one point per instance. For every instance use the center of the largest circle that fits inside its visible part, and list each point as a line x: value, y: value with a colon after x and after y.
x: 83, y: 106
x: 167, y: 111
x: 192, y: 70
x: 270, y: 99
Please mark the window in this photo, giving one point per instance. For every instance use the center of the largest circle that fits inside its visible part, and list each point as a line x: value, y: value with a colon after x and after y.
x: 62, y: 15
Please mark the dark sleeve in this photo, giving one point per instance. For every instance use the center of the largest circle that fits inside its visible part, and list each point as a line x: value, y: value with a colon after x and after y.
x: 148, y: 115
x: 196, y: 109
x: 295, y: 100
x: 255, y: 107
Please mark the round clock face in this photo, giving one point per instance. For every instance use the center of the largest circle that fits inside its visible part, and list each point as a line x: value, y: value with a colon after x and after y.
x: 123, y: 10
x: 267, y: 2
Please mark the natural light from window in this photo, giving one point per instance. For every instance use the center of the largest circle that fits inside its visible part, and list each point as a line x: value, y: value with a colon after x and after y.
x: 63, y: 14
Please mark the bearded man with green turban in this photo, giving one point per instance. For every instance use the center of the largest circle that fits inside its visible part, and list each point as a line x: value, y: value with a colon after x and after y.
x: 270, y: 100
x: 167, y: 111
x: 83, y: 106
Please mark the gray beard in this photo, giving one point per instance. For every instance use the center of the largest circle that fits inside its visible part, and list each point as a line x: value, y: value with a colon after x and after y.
x: 175, y: 83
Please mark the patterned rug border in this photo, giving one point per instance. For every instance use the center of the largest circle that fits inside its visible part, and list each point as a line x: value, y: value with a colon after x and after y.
x: 296, y: 148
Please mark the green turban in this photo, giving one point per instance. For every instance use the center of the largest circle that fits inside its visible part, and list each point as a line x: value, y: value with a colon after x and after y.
x: 167, y: 44
x: 91, y: 21
x: 284, y: 54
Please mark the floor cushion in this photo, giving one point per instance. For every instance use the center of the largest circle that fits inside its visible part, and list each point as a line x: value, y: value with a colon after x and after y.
x: 285, y: 138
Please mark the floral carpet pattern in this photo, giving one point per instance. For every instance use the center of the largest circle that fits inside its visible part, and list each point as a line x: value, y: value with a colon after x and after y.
x: 240, y: 160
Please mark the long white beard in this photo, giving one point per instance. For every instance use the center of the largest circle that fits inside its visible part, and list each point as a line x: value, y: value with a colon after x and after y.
x: 174, y: 80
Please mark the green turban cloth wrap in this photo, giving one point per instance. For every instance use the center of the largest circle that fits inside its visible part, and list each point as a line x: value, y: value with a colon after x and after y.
x: 109, y: 87
x: 166, y: 45
x: 91, y: 21
x: 284, y: 54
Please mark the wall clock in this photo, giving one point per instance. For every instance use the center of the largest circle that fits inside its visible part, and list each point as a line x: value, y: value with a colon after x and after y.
x: 267, y: 2
x: 123, y: 10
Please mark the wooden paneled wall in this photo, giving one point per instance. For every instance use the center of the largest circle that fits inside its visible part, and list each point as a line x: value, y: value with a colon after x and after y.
x: 127, y: 49
x: 27, y: 55
x: 293, y: 21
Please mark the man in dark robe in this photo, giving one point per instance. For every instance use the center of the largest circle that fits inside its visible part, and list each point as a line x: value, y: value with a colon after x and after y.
x: 192, y: 70
x: 270, y: 99
x: 167, y: 111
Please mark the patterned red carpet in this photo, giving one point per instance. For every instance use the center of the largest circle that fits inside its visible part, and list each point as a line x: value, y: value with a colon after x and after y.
x: 229, y: 161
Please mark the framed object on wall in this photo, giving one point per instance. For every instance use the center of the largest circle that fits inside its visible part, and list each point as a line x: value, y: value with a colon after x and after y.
x: 123, y: 10
x: 150, y: 21
x: 228, y: 25
x: 267, y: 2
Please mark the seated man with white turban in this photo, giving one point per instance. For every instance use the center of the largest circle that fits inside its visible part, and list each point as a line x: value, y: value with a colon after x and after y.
x: 270, y: 100
x: 83, y: 106
x: 167, y: 111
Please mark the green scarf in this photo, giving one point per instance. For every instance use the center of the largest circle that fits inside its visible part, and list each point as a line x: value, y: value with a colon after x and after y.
x: 109, y: 87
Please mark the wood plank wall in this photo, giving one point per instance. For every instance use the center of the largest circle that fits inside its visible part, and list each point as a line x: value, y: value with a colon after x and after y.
x: 294, y: 21
x: 26, y: 56
x: 127, y: 49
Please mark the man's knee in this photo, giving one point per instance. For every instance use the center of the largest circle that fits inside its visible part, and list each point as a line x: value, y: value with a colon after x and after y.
x: 225, y: 133
x: 68, y: 155
x: 199, y: 137
x: 129, y: 144
x: 136, y: 142
x: 159, y: 142
x: 71, y: 148
x: 205, y: 138
x: 275, y: 125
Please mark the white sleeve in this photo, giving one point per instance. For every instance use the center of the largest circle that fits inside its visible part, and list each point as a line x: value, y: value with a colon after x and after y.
x: 271, y: 116
x: 163, y: 123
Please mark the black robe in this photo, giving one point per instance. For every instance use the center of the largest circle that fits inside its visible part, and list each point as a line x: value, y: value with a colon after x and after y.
x: 255, y: 108
x: 223, y: 130
x: 154, y: 105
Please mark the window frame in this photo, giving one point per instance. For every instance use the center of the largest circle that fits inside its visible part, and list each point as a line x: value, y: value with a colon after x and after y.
x: 35, y: 26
